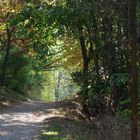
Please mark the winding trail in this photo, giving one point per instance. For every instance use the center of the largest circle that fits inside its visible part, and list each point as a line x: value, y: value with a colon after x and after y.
x: 24, y: 121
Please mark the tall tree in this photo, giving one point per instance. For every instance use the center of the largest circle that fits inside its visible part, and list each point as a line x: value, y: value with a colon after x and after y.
x: 133, y: 89
x: 8, y: 10
x: 6, y: 57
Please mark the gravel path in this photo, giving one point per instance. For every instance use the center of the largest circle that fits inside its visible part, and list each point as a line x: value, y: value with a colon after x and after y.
x: 23, y: 122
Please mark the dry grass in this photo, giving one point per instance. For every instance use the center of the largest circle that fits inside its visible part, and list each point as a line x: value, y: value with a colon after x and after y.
x: 68, y: 123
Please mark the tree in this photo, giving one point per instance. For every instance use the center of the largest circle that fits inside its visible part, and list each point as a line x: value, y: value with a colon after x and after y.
x: 8, y: 11
x: 134, y: 84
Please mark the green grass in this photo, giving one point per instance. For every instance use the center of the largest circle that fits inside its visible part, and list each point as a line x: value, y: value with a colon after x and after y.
x: 53, y: 131
x: 58, y: 128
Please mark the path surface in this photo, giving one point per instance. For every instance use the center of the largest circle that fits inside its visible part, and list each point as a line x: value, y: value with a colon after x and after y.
x: 24, y: 121
x: 53, y: 121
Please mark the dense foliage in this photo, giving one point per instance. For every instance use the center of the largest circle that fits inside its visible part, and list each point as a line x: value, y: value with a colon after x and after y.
x: 93, y: 40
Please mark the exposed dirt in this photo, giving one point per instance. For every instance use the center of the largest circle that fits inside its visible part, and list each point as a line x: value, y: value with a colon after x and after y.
x: 24, y: 121
x: 56, y: 121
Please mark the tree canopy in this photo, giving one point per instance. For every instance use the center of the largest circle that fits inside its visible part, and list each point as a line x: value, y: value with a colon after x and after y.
x: 92, y: 43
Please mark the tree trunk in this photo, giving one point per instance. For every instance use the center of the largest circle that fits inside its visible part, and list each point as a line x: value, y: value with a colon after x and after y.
x: 6, y: 57
x: 85, y: 71
x: 85, y: 57
x: 57, y: 88
x: 133, y: 89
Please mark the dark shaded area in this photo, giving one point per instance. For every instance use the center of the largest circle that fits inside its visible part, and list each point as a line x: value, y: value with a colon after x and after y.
x: 69, y: 124
x: 58, y: 128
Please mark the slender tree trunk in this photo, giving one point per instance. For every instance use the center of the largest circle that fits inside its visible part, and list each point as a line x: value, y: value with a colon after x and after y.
x: 85, y: 71
x: 6, y: 57
x: 133, y: 89
x: 85, y: 57
x: 57, y: 89
x: 83, y: 47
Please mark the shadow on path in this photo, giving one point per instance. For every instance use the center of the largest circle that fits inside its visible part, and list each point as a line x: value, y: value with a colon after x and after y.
x: 23, y: 121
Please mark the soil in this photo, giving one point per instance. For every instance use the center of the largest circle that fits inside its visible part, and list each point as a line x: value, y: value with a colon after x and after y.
x: 23, y: 121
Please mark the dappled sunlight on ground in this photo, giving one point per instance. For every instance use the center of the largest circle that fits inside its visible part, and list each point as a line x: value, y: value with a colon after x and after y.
x: 21, y: 122
x: 67, y: 124
x: 4, y: 133
x: 55, y: 121
x: 22, y: 118
x: 26, y: 120
x: 59, y: 128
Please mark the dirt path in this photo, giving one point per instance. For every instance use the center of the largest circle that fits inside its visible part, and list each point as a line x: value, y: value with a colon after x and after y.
x: 42, y: 121
x: 24, y: 121
x: 55, y: 121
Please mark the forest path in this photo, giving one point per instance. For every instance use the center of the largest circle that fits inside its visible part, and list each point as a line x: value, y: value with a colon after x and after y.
x: 39, y: 120
x: 24, y: 121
